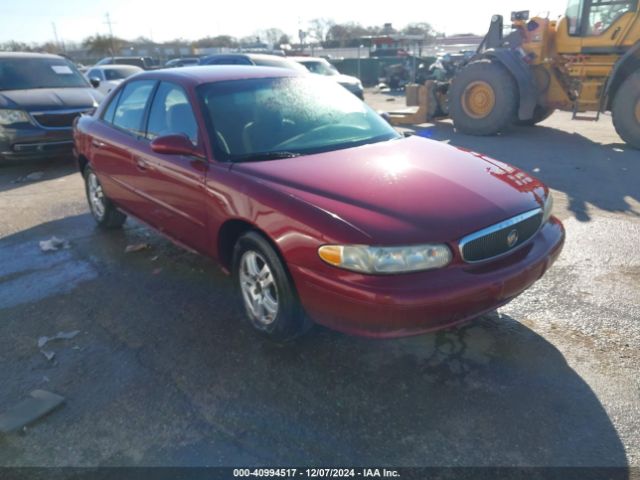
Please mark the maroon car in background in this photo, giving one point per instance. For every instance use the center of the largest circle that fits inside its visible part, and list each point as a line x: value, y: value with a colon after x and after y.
x: 320, y: 210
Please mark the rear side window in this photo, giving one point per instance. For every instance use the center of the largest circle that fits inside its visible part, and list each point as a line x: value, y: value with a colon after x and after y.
x: 171, y: 113
x: 131, y: 106
x: 107, y: 116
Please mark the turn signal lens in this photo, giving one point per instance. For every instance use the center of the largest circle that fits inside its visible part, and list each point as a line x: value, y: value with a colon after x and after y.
x: 331, y: 254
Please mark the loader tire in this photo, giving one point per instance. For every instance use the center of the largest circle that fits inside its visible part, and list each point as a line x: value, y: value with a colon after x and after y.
x: 483, y: 99
x: 540, y: 114
x: 626, y: 110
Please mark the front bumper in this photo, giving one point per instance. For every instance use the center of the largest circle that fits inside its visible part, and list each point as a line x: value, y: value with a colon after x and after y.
x: 32, y: 142
x: 410, y: 304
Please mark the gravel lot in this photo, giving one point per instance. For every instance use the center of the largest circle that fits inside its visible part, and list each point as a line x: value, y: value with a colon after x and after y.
x: 165, y: 372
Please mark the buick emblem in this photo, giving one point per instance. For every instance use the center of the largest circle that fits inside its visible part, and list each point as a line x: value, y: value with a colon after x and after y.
x: 512, y: 238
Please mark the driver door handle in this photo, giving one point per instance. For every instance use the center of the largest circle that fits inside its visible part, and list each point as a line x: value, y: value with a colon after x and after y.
x: 141, y: 164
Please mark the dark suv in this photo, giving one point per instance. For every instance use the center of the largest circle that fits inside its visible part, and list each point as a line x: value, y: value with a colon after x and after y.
x: 146, y: 63
x: 259, y: 59
x: 40, y: 96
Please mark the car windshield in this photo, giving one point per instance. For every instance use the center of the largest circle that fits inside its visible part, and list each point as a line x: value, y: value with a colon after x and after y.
x: 320, y: 68
x: 267, y: 118
x: 27, y: 72
x: 118, y: 73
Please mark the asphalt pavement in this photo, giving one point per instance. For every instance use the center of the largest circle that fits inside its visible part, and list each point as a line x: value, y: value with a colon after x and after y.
x: 165, y: 371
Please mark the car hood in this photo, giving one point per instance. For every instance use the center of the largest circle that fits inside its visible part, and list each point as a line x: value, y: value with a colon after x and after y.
x: 405, y: 191
x: 50, y: 98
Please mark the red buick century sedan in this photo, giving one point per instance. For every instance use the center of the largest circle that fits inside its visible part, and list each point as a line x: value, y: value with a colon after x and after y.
x: 320, y: 210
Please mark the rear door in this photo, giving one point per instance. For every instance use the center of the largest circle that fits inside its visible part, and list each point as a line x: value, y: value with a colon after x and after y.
x: 115, y: 141
x: 175, y: 184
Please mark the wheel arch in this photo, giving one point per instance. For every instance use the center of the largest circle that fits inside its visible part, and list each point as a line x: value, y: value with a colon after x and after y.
x: 521, y: 73
x: 82, y: 163
x: 227, y: 237
x: 626, y: 65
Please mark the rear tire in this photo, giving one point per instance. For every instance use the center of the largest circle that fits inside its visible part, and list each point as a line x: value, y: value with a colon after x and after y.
x: 267, y: 292
x: 540, y: 114
x: 483, y: 99
x: 626, y: 110
x: 103, y: 210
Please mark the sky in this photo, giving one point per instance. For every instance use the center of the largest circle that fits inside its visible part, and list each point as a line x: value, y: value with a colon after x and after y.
x: 32, y: 20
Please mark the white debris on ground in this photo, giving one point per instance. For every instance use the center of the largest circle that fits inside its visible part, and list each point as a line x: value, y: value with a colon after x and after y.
x: 137, y: 247
x: 53, y: 244
x: 42, y: 341
x: 32, y: 177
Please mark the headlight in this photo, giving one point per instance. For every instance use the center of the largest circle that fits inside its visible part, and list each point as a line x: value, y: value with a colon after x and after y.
x: 9, y: 117
x: 548, y: 208
x: 365, y: 259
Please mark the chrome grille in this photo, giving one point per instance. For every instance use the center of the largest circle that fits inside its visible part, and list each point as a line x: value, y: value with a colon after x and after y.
x: 56, y: 118
x: 500, y: 238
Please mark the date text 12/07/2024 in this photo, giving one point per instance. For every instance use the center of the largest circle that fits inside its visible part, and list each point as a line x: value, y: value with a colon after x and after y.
x: 316, y: 473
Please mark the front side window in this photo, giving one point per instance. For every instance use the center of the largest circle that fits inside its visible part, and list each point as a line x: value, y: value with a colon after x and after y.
x: 25, y: 73
x: 320, y: 68
x: 131, y: 106
x: 574, y: 16
x: 604, y: 13
x: 171, y: 114
x: 263, y: 117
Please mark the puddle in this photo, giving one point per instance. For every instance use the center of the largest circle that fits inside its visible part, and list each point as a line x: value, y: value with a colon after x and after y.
x: 29, y: 275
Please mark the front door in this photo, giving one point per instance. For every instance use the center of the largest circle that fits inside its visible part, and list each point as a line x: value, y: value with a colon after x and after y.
x: 174, y: 184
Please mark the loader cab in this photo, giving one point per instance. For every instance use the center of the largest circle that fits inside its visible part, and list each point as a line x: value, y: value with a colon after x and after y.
x: 596, y: 26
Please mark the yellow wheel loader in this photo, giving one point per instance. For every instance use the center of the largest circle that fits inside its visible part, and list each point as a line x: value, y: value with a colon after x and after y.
x: 587, y: 61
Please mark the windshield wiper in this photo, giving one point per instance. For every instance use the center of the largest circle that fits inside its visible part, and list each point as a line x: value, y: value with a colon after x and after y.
x: 257, y: 157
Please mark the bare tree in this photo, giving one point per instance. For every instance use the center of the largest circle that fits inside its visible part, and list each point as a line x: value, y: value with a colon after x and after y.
x: 422, y: 28
x: 271, y: 36
x: 319, y: 28
x: 103, y: 44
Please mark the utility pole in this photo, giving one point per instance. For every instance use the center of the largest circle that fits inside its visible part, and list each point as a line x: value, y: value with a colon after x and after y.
x: 55, y: 34
x: 109, y: 23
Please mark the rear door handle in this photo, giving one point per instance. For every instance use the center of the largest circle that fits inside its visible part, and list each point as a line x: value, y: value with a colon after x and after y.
x: 98, y: 144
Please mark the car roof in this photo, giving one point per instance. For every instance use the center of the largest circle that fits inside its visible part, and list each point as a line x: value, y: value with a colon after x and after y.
x: 308, y: 59
x: 28, y: 55
x: 198, y: 75
x: 113, y: 66
x: 252, y: 56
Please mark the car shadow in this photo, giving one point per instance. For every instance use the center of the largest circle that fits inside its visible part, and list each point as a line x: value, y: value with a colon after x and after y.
x: 603, y: 175
x: 167, y: 372
x: 16, y: 174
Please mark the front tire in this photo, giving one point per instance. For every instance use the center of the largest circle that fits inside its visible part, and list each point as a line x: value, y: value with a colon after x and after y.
x: 626, y: 110
x: 103, y: 210
x: 483, y: 99
x: 267, y: 292
x: 540, y: 114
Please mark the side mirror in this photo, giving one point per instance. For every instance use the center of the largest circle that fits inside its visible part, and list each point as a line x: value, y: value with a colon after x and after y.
x: 385, y: 116
x: 175, y: 145
x: 95, y: 82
